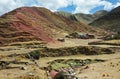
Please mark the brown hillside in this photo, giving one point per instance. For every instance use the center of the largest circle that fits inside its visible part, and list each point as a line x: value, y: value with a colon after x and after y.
x: 35, y: 23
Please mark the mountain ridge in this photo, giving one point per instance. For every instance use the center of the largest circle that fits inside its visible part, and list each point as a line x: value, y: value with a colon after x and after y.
x: 84, y: 18
x: 110, y: 21
x: 36, y: 23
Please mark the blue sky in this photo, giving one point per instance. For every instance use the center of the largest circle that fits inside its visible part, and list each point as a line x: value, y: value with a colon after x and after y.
x: 71, y: 6
x: 69, y: 9
x: 113, y: 1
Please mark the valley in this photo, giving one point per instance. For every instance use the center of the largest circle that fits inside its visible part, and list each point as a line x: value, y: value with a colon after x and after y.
x: 36, y: 43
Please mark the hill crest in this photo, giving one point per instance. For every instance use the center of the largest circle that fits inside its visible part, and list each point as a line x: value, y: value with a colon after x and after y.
x: 36, y: 23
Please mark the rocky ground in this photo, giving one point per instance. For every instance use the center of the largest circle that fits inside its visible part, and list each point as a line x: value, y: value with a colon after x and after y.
x: 104, y: 70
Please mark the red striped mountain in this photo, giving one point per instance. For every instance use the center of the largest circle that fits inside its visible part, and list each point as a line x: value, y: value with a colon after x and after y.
x: 36, y: 23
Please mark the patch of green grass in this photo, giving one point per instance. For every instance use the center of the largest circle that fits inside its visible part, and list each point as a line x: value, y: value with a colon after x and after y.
x: 59, y: 65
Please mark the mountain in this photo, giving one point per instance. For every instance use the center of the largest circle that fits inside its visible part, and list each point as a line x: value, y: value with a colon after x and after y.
x: 110, y: 21
x: 65, y: 14
x: 37, y: 23
x: 84, y: 18
x: 100, y: 13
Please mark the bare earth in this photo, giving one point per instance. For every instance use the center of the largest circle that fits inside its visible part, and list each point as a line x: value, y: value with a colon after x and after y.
x: 105, y: 70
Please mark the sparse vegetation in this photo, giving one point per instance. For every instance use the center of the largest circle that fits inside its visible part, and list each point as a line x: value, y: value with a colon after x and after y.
x: 103, y: 75
x: 109, y: 21
x: 57, y: 64
x: 35, y: 54
x: 28, y: 77
x: 84, y: 18
x: 107, y: 42
x: 67, y: 51
x: 30, y: 48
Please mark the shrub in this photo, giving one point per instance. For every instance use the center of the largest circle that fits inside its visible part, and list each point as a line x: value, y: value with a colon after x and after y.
x: 35, y: 54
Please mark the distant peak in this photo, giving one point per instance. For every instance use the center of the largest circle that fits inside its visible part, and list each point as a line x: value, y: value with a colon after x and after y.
x: 62, y: 12
x: 100, y: 12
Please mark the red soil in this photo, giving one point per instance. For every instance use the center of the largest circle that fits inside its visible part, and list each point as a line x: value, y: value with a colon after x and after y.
x: 30, y: 25
x: 40, y: 23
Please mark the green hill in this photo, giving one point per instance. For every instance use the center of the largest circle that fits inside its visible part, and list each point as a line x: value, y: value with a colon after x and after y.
x: 84, y: 18
x: 110, y: 21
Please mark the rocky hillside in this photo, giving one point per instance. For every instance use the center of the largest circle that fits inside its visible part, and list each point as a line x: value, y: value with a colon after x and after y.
x: 110, y: 21
x: 84, y: 18
x: 36, y: 23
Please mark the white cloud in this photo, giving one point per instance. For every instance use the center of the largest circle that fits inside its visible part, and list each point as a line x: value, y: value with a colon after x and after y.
x: 117, y: 4
x: 82, y: 6
x: 85, y: 6
x: 107, y: 5
x: 54, y: 4
x: 7, y: 5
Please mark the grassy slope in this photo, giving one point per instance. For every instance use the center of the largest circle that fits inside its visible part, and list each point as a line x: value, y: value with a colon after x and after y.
x: 84, y: 18
x: 109, y: 21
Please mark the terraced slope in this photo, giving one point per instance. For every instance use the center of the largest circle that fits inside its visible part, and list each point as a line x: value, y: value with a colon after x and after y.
x: 36, y: 23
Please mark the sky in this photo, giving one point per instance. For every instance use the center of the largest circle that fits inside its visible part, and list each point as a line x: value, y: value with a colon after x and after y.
x: 71, y: 6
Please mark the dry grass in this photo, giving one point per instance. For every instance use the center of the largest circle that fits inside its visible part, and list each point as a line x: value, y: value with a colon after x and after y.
x: 109, y: 42
x: 11, y: 73
x: 113, y: 41
x: 28, y: 77
x: 26, y: 43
